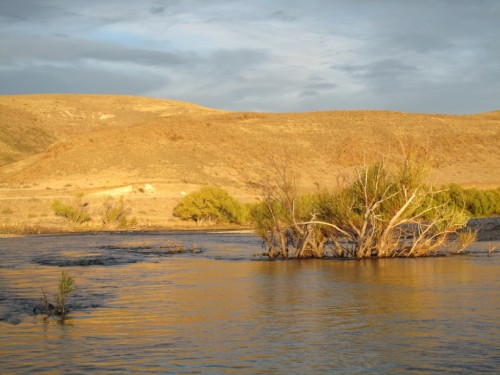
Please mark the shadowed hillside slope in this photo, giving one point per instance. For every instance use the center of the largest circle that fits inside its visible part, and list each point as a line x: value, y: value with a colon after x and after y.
x: 30, y: 123
x: 21, y: 135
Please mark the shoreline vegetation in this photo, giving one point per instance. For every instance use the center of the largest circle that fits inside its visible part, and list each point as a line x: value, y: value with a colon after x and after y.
x: 488, y: 229
x: 7, y: 230
x: 385, y: 210
x: 478, y: 203
x: 104, y: 163
x: 212, y: 208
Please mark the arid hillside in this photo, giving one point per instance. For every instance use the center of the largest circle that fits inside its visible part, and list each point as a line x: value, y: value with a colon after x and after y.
x: 58, y: 145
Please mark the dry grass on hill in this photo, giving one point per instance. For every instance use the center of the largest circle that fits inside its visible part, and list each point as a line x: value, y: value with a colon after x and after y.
x: 58, y: 145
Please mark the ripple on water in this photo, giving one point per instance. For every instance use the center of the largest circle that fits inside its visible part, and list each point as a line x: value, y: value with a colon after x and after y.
x: 168, y: 313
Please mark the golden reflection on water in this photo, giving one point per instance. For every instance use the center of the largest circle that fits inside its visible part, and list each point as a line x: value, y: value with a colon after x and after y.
x: 196, y: 313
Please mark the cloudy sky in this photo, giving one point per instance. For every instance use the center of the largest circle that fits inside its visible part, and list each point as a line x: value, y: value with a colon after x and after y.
x: 434, y: 56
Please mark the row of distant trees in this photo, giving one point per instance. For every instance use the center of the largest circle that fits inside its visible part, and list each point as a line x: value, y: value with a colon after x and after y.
x: 382, y: 210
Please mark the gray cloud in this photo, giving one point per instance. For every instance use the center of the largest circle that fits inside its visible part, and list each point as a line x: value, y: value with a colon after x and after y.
x: 281, y: 15
x: 31, y: 10
x: 383, y: 74
x: 316, y: 89
x: 66, y: 49
x: 277, y: 55
x: 226, y: 65
x: 57, y: 79
x: 420, y: 43
x: 157, y: 10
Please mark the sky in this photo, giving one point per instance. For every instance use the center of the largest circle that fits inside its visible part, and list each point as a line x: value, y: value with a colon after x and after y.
x: 425, y: 56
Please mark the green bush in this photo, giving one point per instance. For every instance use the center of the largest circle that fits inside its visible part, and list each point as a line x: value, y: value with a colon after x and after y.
x: 210, y: 205
x: 483, y: 202
x: 66, y: 286
x: 270, y: 214
x: 475, y: 202
x: 75, y: 212
x: 115, y: 213
x: 265, y: 216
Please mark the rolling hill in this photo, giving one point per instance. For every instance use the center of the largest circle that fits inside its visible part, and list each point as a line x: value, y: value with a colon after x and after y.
x: 57, y: 145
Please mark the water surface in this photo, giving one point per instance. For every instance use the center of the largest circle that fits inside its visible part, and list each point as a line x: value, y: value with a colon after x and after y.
x: 139, y: 310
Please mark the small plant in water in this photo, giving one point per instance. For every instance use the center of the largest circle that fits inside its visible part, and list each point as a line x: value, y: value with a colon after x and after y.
x: 45, y: 305
x: 463, y: 241
x: 65, y: 288
x: 491, y: 249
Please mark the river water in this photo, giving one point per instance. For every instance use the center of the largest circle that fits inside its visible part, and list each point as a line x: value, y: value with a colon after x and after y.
x: 140, y: 310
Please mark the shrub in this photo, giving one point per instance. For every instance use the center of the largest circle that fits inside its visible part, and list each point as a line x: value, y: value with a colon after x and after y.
x: 66, y: 286
x: 283, y: 217
x: 75, y: 212
x: 115, y: 213
x: 475, y: 202
x: 482, y: 202
x: 276, y: 222
x: 210, y: 205
x: 464, y: 239
x: 384, y: 211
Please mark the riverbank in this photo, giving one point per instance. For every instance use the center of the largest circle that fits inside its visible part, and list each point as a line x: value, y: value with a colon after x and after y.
x: 34, y: 229
x: 488, y: 229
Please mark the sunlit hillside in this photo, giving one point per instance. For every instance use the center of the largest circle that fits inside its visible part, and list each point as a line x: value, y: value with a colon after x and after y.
x: 58, y: 145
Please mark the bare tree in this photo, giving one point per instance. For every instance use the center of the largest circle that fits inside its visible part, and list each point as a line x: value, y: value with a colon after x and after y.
x: 387, y: 213
x: 285, y: 220
x: 384, y: 212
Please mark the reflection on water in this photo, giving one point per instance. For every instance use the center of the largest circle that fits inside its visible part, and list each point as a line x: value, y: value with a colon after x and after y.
x: 220, y: 311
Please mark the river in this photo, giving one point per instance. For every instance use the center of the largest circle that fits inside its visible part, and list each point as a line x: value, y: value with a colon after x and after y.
x: 139, y: 310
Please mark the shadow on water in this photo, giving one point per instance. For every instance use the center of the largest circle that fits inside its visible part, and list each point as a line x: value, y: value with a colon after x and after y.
x: 87, y: 251
x: 84, y: 260
x: 139, y: 248
x: 21, y: 293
